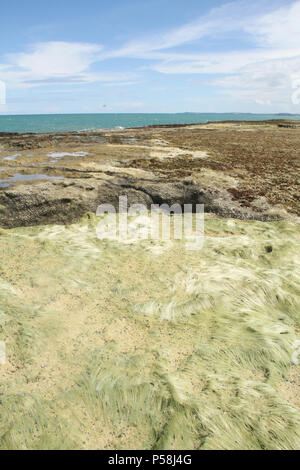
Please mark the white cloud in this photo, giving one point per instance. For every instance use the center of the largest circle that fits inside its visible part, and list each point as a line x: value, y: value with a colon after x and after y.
x: 57, y: 58
x: 279, y: 28
x: 222, y: 63
x: 233, y: 16
x: 267, y: 82
x: 56, y: 63
x: 263, y: 73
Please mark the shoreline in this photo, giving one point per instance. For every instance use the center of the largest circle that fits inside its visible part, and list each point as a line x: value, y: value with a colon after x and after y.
x: 89, y: 126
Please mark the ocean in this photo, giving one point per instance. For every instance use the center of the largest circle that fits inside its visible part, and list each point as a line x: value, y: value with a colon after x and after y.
x: 83, y: 122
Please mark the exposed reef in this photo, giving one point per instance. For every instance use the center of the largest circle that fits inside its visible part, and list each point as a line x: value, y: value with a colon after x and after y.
x: 245, y: 170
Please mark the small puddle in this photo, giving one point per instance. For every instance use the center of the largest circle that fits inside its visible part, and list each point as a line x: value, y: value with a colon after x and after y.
x: 12, y: 157
x: 130, y: 139
x: 58, y: 155
x: 5, y: 183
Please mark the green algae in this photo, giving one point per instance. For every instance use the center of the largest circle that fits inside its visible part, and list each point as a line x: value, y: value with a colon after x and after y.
x: 149, y: 345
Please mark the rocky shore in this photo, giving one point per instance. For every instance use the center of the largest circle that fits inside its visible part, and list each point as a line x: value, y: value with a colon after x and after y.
x: 140, y: 343
x: 244, y: 170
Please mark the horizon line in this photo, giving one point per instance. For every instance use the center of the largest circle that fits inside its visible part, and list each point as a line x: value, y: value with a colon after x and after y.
x: 168, y: 113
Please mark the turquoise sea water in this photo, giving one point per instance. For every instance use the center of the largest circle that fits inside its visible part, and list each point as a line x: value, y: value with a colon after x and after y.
x: 79, y: 122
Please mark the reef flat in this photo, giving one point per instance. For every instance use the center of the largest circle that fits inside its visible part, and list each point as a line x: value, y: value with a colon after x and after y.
x: 141, y: 343
x: 246, y: 170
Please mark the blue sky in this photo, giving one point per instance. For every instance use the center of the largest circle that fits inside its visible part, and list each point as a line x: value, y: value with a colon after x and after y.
x: 150, y: 56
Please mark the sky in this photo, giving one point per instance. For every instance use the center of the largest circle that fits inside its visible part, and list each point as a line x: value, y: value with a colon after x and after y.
x: 99, y: 56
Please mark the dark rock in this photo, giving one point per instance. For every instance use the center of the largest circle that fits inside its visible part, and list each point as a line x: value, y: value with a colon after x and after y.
x: 61, y: 203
